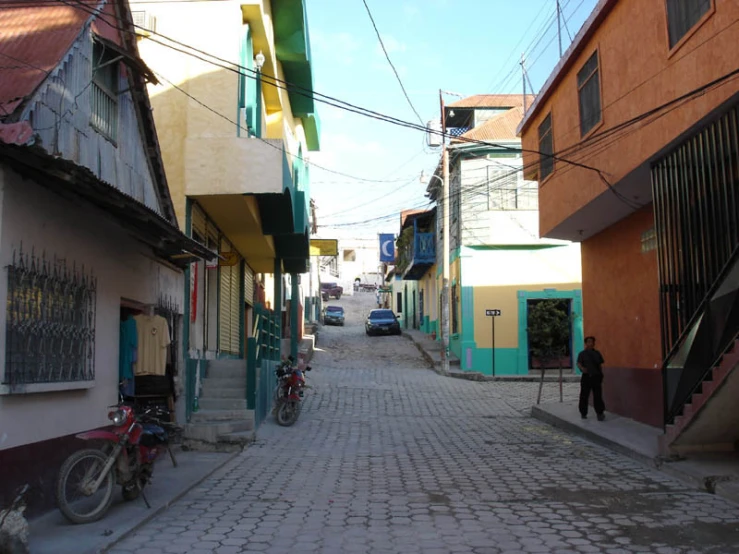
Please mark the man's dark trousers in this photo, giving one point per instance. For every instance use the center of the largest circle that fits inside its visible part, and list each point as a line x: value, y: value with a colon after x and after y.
x: 591, y: 383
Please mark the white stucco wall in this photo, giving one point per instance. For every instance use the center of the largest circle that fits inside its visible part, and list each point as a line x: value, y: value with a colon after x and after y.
x: 124, y: 269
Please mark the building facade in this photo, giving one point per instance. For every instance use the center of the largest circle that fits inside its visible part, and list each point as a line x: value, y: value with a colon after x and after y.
x: 497, y: 260
x: 88, y: 233
x: 637, y: 162
x: 236, y: 141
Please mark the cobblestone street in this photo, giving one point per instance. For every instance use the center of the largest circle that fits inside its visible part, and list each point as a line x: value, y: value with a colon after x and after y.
x: 389, y: 457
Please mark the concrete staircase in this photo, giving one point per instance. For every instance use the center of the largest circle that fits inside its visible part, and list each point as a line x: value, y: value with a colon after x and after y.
x: 222, y: 423
x: 709, y: 419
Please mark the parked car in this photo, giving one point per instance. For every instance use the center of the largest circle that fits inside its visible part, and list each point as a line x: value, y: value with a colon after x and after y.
x: 334, y: 315
x: 382, y: 322
x: 331, y: 289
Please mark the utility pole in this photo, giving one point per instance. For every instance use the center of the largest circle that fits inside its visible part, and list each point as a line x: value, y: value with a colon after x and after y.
x: 523, y: 75
x: 445, y: 245
x: 559, y: 28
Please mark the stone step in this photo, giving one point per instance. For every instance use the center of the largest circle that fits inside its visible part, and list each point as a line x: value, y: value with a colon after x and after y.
x: 226, y: 369
x: 223, y: 392
x: 222, y: 404
x: 242, y: 438
x: 221, y: 383
x: 219, y: 415
x: 211, y: 430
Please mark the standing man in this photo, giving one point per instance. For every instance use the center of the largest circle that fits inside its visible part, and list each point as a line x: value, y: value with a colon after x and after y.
x: 590, y: 361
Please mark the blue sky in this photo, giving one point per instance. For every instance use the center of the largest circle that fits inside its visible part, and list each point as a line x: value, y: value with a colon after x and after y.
x: 464, y: 46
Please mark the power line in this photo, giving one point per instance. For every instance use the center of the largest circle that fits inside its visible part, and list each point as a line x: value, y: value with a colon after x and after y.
x: 389, y: 61
x: 325, y: 98
x: 619, y: 131
x: 356, y: 109
x: 515, y: 49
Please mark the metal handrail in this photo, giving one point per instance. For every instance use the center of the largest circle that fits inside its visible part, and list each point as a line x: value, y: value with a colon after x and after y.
x: 702, y: 306
x: 688, y: 329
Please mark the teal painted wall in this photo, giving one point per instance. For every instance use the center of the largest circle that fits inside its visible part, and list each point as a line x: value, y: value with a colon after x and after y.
x: 515, y: 361
x: 505, y: 361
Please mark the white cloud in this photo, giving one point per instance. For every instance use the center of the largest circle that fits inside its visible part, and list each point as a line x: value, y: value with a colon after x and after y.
x: 391, y: 45
x: 339, y: 47
x: 383, y: 66
x: 410, y: 10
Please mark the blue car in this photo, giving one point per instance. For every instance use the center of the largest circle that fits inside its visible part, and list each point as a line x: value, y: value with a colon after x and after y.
x: 334, y: 315
x: 382, y: 322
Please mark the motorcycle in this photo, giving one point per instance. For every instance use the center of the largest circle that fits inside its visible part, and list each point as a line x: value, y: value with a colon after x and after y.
x: 87, y: 478
x: 289, y: 392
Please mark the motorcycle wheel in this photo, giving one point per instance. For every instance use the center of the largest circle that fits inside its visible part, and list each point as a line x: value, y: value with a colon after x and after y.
x: 288, y: 412
x: 78, y: 470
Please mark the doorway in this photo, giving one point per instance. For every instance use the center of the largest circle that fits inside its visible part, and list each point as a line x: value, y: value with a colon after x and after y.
x: 544, y: 313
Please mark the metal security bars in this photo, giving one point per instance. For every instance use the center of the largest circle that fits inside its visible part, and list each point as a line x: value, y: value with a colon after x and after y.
x: 696, y: 203
x: 169, y: 309
x: 104, y: 92
x: 50, y: 334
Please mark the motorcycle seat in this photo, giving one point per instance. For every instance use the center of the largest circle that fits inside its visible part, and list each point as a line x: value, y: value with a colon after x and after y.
x: 153, y: 434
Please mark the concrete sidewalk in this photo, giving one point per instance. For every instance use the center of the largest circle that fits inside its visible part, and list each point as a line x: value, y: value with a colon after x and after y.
x: 53, y: 534
x: 431, y: 351
x: 713, y: 472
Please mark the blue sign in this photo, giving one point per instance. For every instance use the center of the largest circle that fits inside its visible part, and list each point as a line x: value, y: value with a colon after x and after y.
x: 387, y: 248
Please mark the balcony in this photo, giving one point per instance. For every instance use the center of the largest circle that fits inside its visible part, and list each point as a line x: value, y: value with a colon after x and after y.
x: 246, y: 185
x: 417, y: 255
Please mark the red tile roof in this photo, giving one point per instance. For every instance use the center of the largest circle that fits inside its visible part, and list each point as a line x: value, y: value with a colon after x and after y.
x: 35, y: 36
x: 493, y: 101
x: 501, y: 127
x: 16, y: 133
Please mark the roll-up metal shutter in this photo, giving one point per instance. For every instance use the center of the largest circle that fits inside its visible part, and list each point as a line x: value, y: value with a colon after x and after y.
x: 198, y: 221
x: 236, y: 307
x: 224, y: 312
x: 248, y: 285
x: 230, y: 304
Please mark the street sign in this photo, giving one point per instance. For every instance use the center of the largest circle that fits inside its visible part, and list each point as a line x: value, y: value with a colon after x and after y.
x: 493, y: 314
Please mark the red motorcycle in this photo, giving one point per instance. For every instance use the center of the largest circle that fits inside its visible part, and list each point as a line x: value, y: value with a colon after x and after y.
x: 289, y: 392
x: 86, y: 479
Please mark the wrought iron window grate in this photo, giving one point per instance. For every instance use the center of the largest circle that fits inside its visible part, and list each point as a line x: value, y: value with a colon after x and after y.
x: 50, y: 333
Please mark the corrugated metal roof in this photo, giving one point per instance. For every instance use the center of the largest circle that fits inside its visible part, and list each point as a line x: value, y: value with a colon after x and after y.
x: 35, y: 36
x: 501, y: 127
x: 493, y: 101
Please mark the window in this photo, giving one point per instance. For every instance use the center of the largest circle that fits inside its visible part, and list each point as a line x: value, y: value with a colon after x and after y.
x: 104, y: 95
x: 648, y: 241
x: 50, y: 314
x: 400, y: 303
x: 350, y: 255
x: 546, y: 148
x: 509, y: 191
x: 455, y: 319
x: 588, y: 90
x: 247, y: 86
x: 682, y: 15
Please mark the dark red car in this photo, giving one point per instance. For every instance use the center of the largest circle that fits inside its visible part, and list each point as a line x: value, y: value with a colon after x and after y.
x: 331, y: 289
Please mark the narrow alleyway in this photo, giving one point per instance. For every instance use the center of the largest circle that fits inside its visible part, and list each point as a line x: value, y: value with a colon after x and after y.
x: 389, y: 457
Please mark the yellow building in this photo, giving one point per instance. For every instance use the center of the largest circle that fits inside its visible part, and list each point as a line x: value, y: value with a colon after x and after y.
x: 500, y: 269
x: 236, y: 118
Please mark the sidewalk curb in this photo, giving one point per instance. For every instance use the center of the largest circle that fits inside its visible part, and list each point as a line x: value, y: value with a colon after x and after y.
x: 480, y: 377
x: 426, y: 356
x: 157, y: 511
x: 725, y: 491
x: 554, y: 421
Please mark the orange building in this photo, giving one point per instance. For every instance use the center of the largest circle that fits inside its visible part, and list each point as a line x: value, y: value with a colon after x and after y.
x: 634, y: 142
